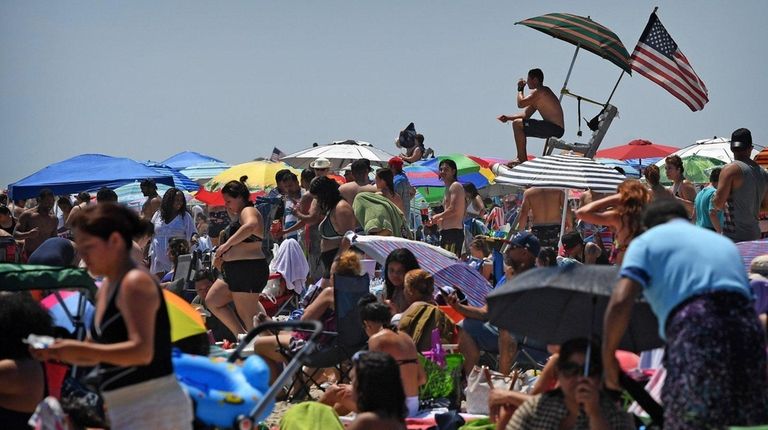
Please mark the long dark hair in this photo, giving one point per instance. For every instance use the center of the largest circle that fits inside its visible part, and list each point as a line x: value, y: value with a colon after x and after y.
x: 167, y: 212
x: 20, y: 316
x: 378, y: 385
x: 385, y: 174
x: 404, y: 257
x: 326, y: 191
x: 106, y: 218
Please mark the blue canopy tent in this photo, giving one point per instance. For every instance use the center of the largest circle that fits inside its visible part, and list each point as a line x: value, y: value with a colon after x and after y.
x: 180, y: 180
x: 87, y: 172
x: 184, y: 159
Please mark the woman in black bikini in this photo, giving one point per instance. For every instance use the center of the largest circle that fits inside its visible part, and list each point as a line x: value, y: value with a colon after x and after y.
x: 241, y: 260
x: 339, y: 218
x: 131, y: 332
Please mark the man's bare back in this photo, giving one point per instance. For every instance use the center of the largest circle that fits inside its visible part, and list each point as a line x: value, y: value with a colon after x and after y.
x: 545, y: 206
x: 546, y: 102
x: 350, y: 190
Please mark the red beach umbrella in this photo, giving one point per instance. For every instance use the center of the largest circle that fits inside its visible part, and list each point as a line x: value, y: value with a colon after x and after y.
x: 638, y: 148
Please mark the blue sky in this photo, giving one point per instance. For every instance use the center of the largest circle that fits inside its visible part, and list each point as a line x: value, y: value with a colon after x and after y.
x: 147, y: 79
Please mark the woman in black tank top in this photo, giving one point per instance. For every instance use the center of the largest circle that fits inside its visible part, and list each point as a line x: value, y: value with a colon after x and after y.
x: 131, y: 340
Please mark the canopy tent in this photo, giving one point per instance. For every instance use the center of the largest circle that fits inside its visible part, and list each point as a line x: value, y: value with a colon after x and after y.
x: 180, y: 180
x: 185, y: 159
x: 85, y: 172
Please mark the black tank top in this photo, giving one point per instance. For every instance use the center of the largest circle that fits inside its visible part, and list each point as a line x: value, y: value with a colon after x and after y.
x: 113, y: 330
x: 9, y: 230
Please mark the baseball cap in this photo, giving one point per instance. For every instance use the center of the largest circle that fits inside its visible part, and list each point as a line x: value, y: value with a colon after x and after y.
x: 528, y: 241
x: 741, y: 139
x: 320, y: 163
x: 572, y: 239
x: 396, y: 161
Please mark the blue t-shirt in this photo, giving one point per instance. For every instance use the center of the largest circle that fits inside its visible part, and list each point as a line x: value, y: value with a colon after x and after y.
x: 703, y: 204
x: 677, y: 260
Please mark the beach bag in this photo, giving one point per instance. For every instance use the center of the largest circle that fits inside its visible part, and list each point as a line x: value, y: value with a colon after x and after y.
x: 83, y: 402
x: 477, y: 390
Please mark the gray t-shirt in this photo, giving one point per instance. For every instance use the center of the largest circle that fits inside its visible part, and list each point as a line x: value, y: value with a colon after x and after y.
x: 743, y: 205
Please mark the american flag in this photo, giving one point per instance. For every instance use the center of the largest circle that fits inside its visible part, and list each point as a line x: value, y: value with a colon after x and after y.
x: 658, y: 58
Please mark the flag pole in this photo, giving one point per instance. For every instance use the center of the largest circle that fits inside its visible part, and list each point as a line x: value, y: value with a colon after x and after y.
x: 568, y: 76
x: 614, y: 88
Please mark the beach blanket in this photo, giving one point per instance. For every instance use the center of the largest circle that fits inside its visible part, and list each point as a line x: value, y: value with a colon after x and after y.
x: 375, y: 213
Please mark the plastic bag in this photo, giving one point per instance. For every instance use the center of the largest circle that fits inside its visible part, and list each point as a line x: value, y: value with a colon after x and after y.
x: 477, y: 390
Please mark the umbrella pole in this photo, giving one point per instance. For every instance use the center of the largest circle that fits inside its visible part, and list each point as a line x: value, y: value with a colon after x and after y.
x: 562, y: 220
x: 588, y: 355
x: 614, y: 88
x: 570, y: 69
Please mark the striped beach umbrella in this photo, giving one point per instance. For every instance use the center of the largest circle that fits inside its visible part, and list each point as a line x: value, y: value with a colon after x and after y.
x: 563, y: 172
x: 339, y: 154
x: 202, y: 173
x: 180, y: 180
x: 584, y: 33
x: 442, y: 264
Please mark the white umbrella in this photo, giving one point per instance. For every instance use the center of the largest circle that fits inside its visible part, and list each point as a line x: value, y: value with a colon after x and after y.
x: 340, y: 154
x: 717, y: 147
x: 564, y: 172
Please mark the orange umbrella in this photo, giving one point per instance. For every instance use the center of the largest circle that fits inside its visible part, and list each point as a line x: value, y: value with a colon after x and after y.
x: 762, y: 158
x: 186, y: 321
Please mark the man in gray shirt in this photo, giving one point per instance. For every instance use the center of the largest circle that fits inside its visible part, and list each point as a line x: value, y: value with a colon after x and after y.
x: 742, y: 190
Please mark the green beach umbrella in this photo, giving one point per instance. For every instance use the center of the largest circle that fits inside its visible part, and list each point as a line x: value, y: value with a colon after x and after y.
x: 697, y: 169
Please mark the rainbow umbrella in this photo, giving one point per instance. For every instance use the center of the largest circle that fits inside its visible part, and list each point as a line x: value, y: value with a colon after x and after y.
x: 186, y: 321
x: 423, y: 175
x: 261, y: 179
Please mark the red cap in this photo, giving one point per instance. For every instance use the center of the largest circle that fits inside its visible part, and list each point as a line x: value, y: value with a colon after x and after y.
x: 396, y: 161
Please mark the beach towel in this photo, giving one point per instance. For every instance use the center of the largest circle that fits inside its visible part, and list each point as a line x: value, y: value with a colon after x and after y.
x: 375, y: 213
x: 289, y: 261
x: 310, y: 416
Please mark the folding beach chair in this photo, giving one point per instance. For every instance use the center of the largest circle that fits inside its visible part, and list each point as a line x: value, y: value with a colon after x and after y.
x: 348, y: 338
x: 590, y: 148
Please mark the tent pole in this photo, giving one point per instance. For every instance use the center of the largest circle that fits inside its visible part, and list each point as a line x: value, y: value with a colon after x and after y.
x: 562, y: 221
x: 568, y: 76
x: 614, y: 88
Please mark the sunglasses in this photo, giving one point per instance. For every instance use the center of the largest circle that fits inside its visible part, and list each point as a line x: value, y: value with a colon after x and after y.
x: 571, y: 369
x: 322, y: 170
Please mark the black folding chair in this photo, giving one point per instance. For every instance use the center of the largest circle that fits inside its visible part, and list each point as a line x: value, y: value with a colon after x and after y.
x: 348, y: 338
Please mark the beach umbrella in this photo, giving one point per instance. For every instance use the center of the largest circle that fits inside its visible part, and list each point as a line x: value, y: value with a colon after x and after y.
x: 565, y: 172
x: 717, y: 147
x: 202, y: 173
x: 423, y: 175
x: 185, y: 159
x: 339, y: 154
x: 87, y: 172
x: 629, y: 170
x: 64, y: 307
x: 554, y: 304
x: 131, y: 195
x: 584, y: 33
x: 762, y: 158
x: 185, y: 320
x: 261, y: 180
x: 751, y: 249
x: 180, y: 180
x: 696, y: 167
x: 442, y: 264
x: 636, y: 149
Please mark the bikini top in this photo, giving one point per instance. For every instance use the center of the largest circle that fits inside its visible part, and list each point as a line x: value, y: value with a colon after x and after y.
x: 234, y: 226
x: 327, y: 230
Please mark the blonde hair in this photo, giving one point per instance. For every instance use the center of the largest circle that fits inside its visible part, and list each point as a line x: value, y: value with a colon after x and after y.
x: 420, y: 282
x: 348, y: 264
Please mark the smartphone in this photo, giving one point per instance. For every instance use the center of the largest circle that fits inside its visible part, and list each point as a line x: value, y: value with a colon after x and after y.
x: 38, y: 341
x: 443, y: 290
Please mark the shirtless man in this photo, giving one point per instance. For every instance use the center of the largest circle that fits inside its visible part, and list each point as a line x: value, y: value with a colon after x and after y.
x: 152, y: 204
x: 37, y: 224
x: 360, y: 169
x: 540, y: 99
x: 451, y: 220
x: 545, y: 208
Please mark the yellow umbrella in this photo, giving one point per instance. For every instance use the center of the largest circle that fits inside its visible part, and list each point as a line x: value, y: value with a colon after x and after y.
x: 261, y: 179
x: 185, y: 320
